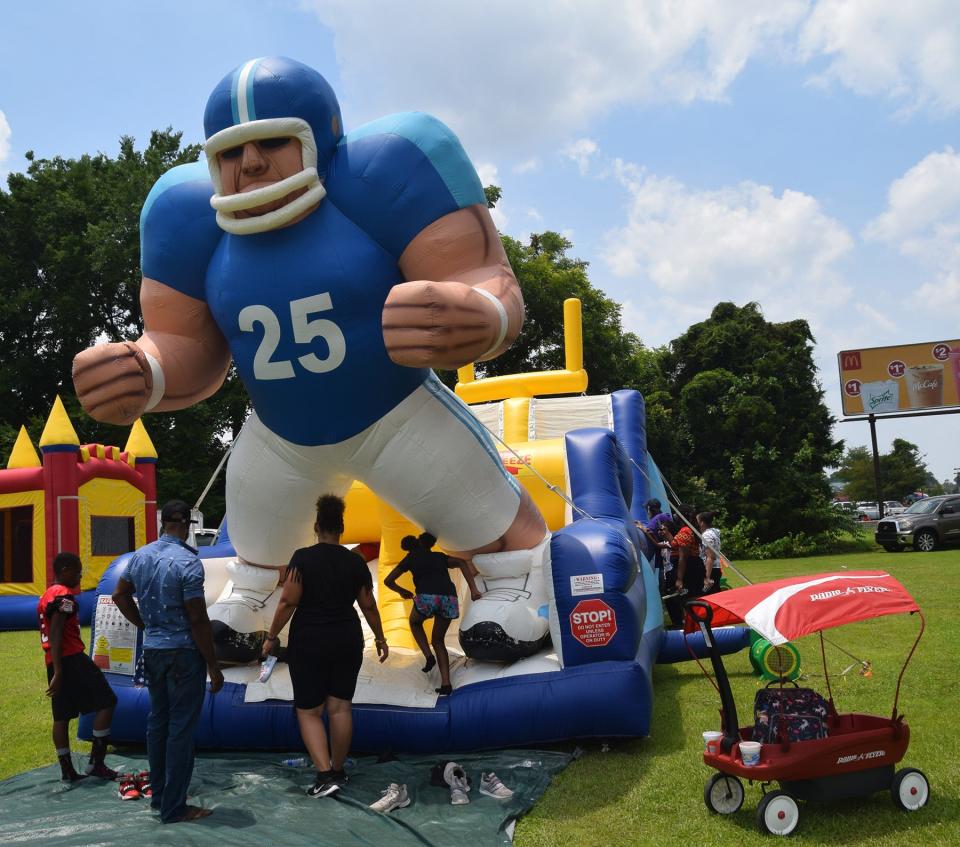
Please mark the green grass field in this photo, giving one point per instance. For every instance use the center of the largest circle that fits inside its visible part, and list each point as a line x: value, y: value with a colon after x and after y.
x: 650, y: 791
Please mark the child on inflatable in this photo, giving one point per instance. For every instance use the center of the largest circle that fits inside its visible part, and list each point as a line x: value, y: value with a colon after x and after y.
x: 435, y: 596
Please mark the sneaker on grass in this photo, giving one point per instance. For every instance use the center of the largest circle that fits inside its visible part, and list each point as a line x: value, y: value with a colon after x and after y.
x: 491, y: 785
x: 393, y: 797
x: 326, y: 784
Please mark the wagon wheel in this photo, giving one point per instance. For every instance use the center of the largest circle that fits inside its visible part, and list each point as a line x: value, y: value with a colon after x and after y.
x: 723, y: 794
x: 910, y: 790
x: 778, y: 813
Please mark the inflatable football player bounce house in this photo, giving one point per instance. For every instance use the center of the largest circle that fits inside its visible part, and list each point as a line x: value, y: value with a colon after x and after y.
x: 336, y: 272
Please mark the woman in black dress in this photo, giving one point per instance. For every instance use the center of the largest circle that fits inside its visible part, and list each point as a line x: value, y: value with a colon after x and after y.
x: 325, y: 645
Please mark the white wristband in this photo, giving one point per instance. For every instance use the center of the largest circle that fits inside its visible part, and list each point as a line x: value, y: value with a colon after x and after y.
x: 503, y: 319
x: 159, y: 384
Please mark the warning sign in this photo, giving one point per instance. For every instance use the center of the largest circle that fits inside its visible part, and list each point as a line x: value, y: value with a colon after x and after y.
x: 593, y: 623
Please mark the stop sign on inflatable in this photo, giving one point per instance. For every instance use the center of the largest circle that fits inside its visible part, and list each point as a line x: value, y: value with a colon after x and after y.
x: 593, y: 623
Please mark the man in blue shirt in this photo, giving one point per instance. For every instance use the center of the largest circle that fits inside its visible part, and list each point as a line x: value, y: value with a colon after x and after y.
x: 167, y: 578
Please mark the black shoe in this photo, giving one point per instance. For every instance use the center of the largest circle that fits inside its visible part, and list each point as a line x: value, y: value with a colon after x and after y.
x: 325, y: 785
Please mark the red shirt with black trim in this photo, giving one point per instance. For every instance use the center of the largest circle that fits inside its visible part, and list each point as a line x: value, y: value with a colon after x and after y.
x: 60, y: 598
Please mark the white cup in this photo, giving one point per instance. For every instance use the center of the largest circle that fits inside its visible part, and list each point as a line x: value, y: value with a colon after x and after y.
x: 711, y: 741
x: 750, y: 753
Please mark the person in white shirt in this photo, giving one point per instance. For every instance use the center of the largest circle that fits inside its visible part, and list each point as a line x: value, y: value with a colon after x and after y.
x: 711, y: 552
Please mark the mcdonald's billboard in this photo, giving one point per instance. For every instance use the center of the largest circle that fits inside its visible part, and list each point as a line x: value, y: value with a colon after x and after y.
x: 882, y: 380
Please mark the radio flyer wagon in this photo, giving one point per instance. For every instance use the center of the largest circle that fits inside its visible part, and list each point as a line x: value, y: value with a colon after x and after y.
x: 850, y: 754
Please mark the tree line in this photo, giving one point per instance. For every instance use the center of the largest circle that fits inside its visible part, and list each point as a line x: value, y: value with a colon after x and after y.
x: 736, y: 417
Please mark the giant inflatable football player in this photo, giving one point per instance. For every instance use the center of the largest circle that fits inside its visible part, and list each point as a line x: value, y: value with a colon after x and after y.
x: 336, y: 271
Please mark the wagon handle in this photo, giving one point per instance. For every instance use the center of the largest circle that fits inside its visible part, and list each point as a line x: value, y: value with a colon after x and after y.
x: 896, y: 696
x: 701, y: 613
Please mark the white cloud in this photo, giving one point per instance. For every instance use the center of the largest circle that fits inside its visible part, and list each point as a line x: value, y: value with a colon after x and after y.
x: 740, y: 243
x: 5, y: 133
x: 527, y: 166
x: 488, y: 173
x: 534, y: 215
x: 922, y: 220
x: 514, y: 74
x: 581, y: 151
x: 907, y: 51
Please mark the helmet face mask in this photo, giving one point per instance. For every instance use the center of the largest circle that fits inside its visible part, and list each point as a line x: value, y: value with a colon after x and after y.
x: 266, y: 99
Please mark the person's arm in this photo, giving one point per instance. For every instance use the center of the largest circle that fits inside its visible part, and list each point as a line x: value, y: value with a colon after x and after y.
x: 439, y: 318
x: 116, y: 382
x: 681, y: 566
x: 123, y: 600
x: 390, y: 580
x: 467, y: 571
x: 709, y: 562
x: 56, y: 652
x: 368, y: 605
x: 202, y: 634
x: 290, y: 598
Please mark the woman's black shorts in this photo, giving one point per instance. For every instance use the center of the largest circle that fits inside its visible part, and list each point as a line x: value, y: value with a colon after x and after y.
x: 324, y: 662
x: 83, y: 688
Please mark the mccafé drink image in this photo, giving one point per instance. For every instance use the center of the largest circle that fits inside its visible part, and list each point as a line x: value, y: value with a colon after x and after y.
x: 925, y: 386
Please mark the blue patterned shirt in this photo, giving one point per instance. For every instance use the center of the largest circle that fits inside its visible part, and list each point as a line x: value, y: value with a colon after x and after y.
x: 164, y: 575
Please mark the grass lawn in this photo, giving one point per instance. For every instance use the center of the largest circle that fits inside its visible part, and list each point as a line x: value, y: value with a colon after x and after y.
x: 650, y: 791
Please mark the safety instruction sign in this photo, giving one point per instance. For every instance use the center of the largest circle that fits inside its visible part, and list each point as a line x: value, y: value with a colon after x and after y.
x: 115, y: 639
x: 593, y: 623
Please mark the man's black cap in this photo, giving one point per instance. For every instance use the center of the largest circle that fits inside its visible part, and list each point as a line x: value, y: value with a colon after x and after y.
x: 176, y: 511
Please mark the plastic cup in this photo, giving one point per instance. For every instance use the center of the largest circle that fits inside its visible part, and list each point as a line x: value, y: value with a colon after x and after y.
x: 711, y: 741
x: 750, y: 753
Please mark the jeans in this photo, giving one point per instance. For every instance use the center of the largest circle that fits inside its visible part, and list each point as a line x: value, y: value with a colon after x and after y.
x: 176, y: 680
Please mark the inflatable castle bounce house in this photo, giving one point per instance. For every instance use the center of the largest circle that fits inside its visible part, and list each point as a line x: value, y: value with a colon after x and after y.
x: 92, y: 500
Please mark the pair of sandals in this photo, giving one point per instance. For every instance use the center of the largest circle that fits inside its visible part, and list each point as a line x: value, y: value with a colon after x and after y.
x: 443, y: 690
x: 133, y: 786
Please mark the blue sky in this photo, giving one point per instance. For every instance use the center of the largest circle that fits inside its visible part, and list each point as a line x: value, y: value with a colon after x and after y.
x: 799, y: 153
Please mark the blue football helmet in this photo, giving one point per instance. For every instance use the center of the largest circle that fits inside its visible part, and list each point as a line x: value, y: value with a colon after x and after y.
x: 269, y: 98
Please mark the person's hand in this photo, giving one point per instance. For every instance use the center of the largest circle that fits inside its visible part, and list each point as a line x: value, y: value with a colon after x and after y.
x: 707, y: 584
x: 113, y: 382
x: 383, y: 649
x: 268, y: 644
x: 406, y: 594
x: 54, y: 688
x: 678, y: 585
x: 438, y: 324
x: 476, y: 595
x: 216, y: 679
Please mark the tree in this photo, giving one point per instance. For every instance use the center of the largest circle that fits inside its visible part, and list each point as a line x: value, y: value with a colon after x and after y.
x: 547, y: 277
x: 902, y: 471
x: 70, y: 274
x: 743, y: 422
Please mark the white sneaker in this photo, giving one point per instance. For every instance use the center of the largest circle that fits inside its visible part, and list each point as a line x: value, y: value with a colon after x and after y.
x: 491, y: 785
x: 393, y: 797
x: 456, y: 778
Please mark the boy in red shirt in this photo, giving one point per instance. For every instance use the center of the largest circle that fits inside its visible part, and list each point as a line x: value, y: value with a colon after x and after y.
x: 77, y: 685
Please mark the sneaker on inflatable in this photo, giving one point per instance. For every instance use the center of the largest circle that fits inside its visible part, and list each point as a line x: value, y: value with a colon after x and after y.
x: 326, y: 784
x: 393, y: 797
x: 491, y: 785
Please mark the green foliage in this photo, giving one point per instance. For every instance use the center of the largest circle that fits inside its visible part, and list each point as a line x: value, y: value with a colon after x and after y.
x: 547, y: 276
x: 902, y: 471
x: 70, y: 276
x: 735, y: 413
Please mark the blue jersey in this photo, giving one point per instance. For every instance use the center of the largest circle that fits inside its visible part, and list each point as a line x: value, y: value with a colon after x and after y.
x: 301, y: 306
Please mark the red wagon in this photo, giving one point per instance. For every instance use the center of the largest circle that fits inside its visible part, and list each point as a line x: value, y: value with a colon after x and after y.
x: 847, y: 754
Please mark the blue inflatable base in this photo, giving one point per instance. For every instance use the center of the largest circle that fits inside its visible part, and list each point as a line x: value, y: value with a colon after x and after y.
x: 19, y: 611
x: 605, y: 699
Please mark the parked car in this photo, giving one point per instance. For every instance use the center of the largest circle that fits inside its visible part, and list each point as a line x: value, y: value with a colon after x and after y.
x: 926, y: 525
x: 893, y: 507
x: 204, y: 537
x: 868, y: 511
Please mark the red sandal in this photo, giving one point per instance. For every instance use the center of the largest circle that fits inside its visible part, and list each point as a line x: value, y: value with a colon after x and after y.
x: 127, y: 789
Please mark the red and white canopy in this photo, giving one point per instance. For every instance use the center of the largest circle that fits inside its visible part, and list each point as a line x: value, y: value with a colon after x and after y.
x: 787, y: 609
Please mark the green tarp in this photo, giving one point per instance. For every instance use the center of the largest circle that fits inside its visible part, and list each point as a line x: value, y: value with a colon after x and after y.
x: 258, y: 801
